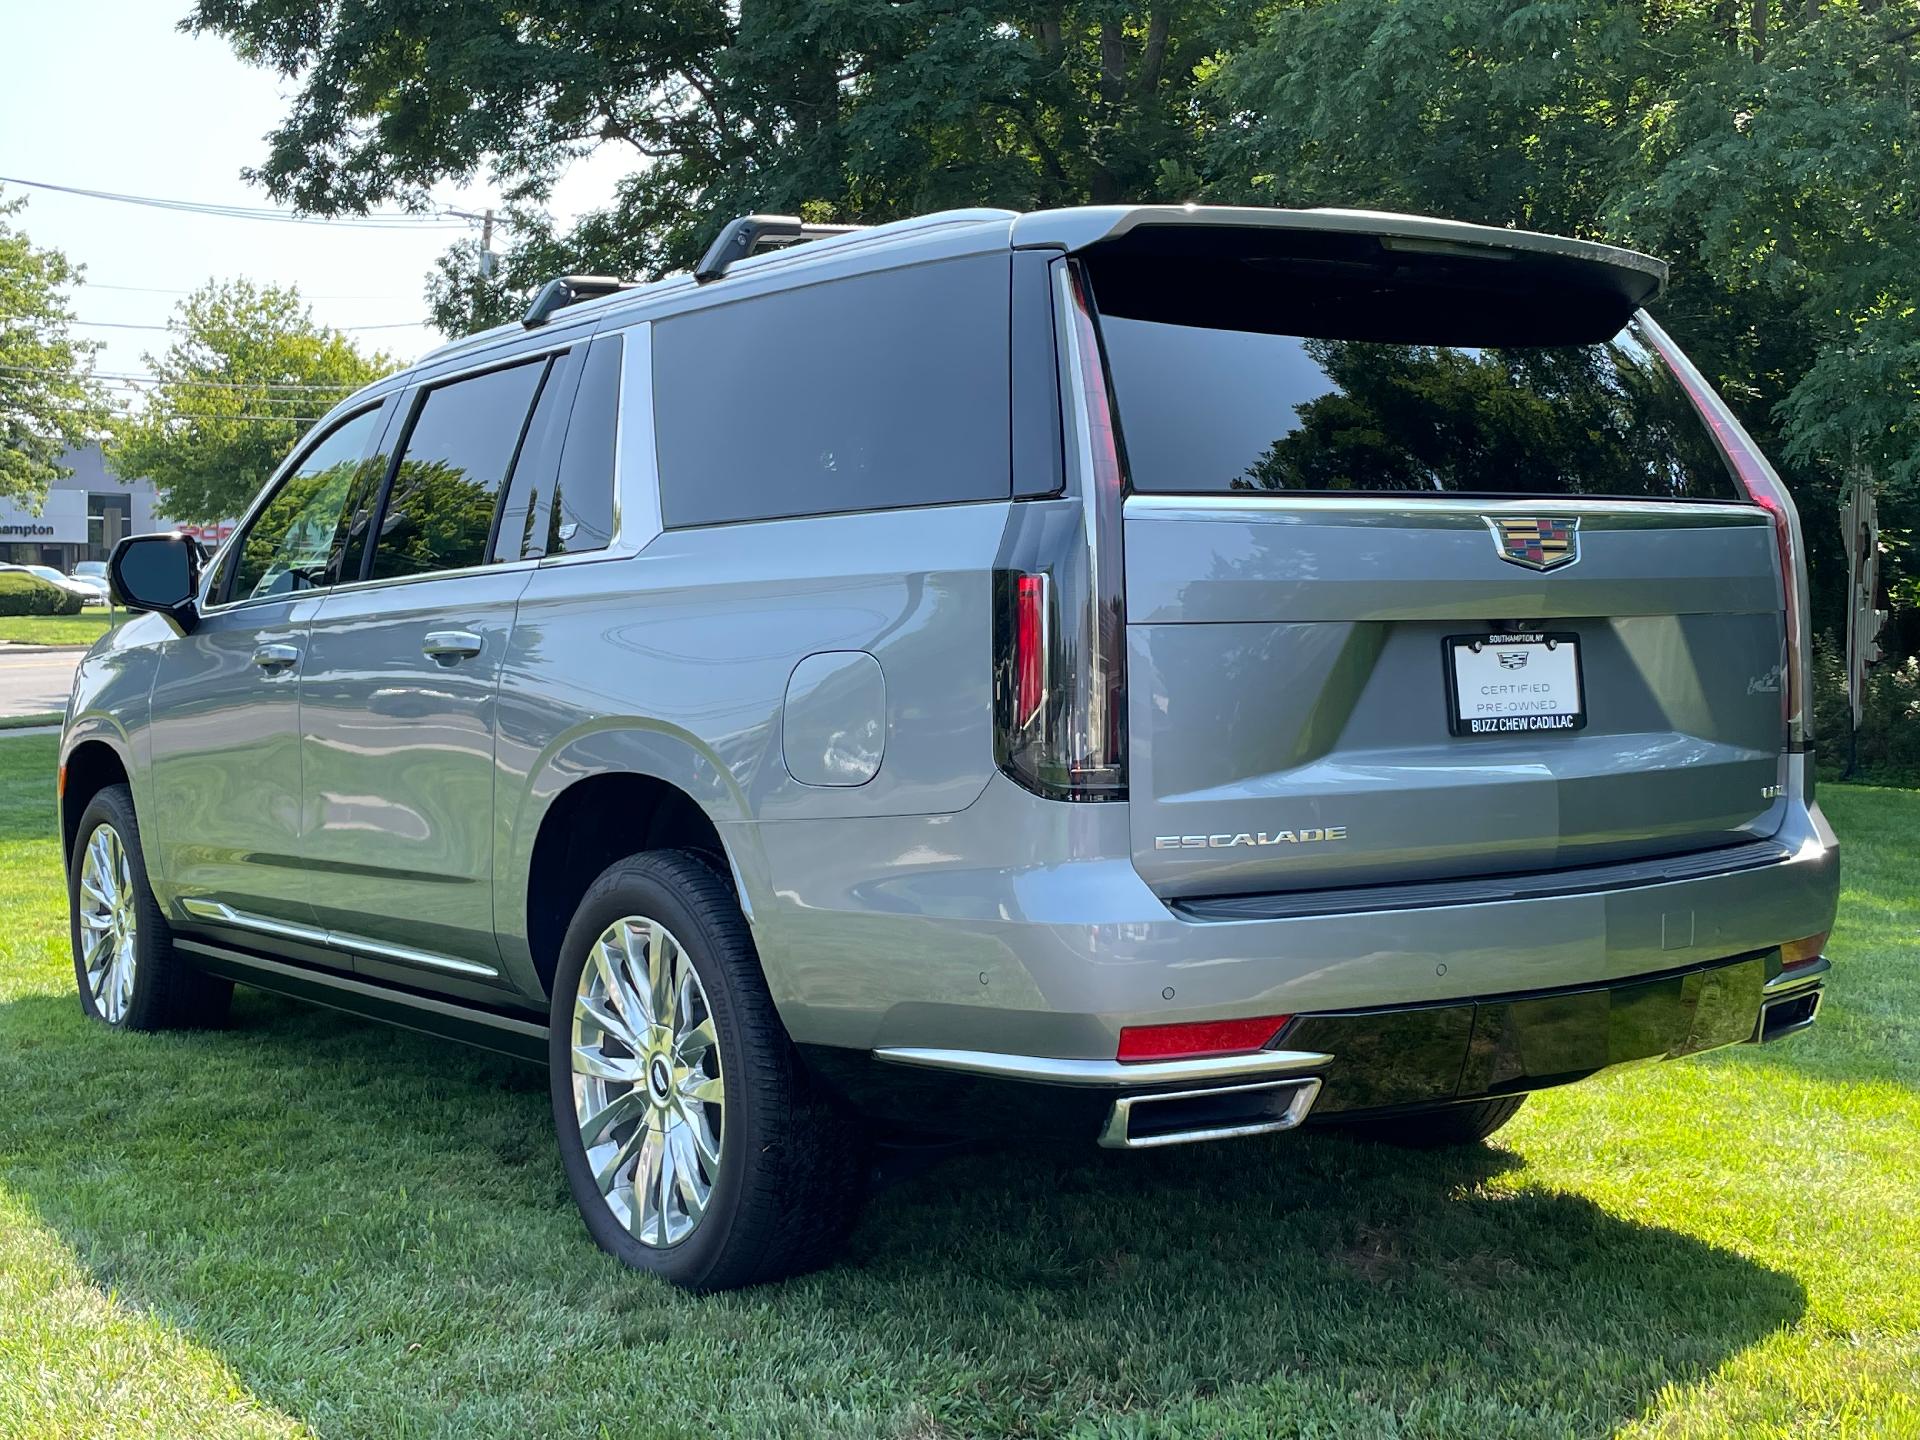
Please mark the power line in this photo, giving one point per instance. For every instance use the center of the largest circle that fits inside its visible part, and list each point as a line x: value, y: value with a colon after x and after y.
x: 121, y: 377
x: 401, y: 220
x: 165, y: 290
x: 128, y: 325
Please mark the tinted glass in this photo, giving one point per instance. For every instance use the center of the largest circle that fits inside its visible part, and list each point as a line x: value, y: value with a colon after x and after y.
x: 1208, y: 410
x: 879, y: 391
x: 439, y: 508
x: 286, y: 547
x: 523, y: 514
x: 581, y: 517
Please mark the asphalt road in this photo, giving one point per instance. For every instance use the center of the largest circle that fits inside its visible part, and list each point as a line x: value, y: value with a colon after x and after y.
x: 34, y: 681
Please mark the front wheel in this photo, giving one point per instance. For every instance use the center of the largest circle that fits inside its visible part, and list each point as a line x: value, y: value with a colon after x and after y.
x: 695, y: 1145
x: 129, y: 974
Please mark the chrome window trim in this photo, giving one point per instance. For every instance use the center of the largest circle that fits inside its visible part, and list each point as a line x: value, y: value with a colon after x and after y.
x: 221, y: 913
x: 1110, y: 1073
x: 636, y: 459
x: 1280, y: 501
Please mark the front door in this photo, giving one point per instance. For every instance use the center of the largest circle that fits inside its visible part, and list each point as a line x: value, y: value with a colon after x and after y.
x: 224, y: 835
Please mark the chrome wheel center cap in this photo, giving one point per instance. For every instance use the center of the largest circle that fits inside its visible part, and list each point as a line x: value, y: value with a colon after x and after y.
x: 660, y: 1079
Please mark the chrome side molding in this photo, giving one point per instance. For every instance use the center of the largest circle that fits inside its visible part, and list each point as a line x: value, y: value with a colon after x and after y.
x: 220, y: 913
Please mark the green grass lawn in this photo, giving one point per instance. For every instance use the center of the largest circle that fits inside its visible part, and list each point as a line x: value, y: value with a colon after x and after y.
x: 82, y: 629
x: 307, y: 1223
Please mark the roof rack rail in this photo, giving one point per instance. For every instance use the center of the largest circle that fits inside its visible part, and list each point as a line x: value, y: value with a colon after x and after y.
x: 750, y: 234
x: 565, y: 290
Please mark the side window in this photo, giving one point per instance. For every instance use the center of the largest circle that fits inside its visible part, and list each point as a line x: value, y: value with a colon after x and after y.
x: 286, y: 546
x: 439, y: 508
x: 877, y: 391
x: 582, y: 514
x: 523, y: 514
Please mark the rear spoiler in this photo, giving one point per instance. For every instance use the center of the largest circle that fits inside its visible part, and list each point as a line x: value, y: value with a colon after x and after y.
x: 1166, y: 241
x: 1632, y: 277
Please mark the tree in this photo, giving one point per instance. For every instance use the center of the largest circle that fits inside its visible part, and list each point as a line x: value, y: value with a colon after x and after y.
x: 853, y: 110
x: 49, y: 401
x: 247, y: 374
x: 1769, y: 154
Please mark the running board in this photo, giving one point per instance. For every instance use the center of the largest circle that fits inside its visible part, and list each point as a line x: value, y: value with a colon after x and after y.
x: 513, y: 1035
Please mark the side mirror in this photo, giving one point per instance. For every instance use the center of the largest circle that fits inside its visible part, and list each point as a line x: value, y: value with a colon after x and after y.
x: 157, y: 572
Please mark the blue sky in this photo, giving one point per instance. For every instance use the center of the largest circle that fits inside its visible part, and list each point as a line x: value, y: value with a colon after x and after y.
x: 108, y: 95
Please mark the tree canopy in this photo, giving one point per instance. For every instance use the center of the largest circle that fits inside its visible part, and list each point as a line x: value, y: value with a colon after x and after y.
x: 1767, y: 149
x: 49, y: 402
x: 246, y: 375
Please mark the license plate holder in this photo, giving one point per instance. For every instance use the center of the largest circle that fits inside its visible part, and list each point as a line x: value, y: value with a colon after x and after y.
x: 1514, y: 683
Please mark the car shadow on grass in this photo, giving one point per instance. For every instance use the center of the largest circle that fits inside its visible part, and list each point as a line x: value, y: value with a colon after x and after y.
x: 370, y: 1227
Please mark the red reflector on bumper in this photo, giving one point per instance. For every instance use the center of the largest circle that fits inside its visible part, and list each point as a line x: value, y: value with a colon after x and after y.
x: 1204, y: 1037
x: 1802, y: 952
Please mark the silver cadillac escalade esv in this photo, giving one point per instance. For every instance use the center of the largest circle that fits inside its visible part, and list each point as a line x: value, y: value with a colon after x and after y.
x: 1155, y: 673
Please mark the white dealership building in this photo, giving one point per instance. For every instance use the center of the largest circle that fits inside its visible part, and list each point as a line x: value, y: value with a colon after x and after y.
x: 85, y: 514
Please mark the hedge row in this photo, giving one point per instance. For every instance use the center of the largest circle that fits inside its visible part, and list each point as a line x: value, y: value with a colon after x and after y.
x: 23, y: 594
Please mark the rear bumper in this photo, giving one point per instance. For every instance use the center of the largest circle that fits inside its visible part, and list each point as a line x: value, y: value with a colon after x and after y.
x: 897, y: 934
x: 1344, y: 1065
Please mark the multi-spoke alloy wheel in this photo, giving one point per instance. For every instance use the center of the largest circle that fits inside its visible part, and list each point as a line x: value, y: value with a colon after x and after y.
x: 647, y: 1090
x: 109, y: 924
x: 124, y: 962
x: 694, y: 1141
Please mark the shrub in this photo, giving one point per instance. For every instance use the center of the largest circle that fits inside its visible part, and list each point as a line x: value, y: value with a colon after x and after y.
x: 1888, y: 744
x: 24, y: 594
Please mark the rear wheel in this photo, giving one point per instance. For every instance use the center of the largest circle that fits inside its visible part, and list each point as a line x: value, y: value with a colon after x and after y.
x: 694, y: 1144
x: 1467, y: 1124
x: 129, y: 974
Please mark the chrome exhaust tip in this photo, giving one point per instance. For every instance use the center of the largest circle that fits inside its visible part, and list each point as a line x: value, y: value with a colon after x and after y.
x: 1218, y: 1112
x: 1788, y: 1015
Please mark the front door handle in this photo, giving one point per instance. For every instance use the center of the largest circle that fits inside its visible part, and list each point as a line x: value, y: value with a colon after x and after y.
x: 276, y: 657
x: 450, y: 645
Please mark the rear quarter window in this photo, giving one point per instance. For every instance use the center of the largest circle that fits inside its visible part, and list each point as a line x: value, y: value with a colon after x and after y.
x: 874, y: 392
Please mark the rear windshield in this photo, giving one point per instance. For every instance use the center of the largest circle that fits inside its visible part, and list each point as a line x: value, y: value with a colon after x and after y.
x: 1209, y: 411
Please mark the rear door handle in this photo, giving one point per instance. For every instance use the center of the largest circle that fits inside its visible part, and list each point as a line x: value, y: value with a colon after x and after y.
x: 276, y: 657
x: 451, y: 644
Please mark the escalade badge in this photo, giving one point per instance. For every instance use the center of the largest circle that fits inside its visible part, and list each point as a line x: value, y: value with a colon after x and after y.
x: 1538, y: 542
x: 1260, y: 837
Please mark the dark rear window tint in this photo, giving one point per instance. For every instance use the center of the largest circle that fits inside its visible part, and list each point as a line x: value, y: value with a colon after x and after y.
x: 1209, y: 411
x: 869, y: 393
x: 581, y: 517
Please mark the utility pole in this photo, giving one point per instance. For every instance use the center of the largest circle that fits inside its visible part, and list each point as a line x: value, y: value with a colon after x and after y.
x: 489, y: 262
x: 486, y: 262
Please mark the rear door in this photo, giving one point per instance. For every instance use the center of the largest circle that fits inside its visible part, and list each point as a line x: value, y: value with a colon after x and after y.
x: 399, y: 690
x: 1427, y: 578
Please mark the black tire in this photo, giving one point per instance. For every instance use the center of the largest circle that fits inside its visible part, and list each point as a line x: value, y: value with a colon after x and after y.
x: 1445, y: 1129
x: 168, y: 991
x: 791, y: 1168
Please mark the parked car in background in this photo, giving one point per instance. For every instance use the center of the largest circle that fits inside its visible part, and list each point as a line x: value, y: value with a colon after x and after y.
x: 1134, y: 675
x: 89, y: 594
x: 92, y: 574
